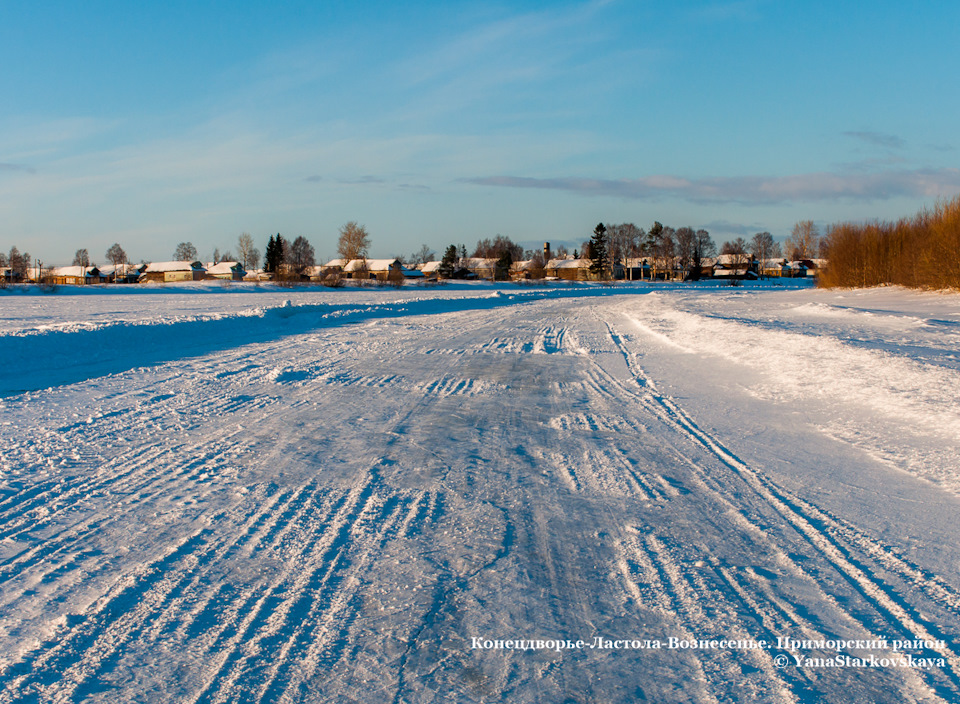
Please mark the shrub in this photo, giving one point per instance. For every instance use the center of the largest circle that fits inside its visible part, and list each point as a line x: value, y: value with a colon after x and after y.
x: 918, y: 252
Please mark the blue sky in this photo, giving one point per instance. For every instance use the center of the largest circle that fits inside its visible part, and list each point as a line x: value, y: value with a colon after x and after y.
x: 448, y: 122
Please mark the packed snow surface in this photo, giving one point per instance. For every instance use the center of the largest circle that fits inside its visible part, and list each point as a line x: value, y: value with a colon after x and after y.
x: 579, y: 493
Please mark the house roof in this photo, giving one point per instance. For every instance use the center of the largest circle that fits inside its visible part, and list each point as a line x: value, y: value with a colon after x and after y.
x: 371, y: 264
x: 224, y: 268
x: 337, y: 262
x: 430, y: 267
x: 524, y: 265
x: 76, y: 271
x: 109, y: 269
x: 479, y: 263
x: 157, y: 267
x: 569, y: 264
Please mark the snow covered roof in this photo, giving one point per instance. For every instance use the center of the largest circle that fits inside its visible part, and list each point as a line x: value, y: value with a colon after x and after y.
x: 110, y: 269
x: 479, y: 263
x: 430, y: 267
x: 731, y: 259
x: 569, y: 264
x: 75, y: 271
x: 224, y: 267
x: 371, y: 264
x: 157, y: 267
x: 525, y: 265
x: 337, y: 262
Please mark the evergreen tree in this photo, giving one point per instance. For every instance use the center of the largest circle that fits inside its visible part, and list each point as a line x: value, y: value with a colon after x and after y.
x: 502, y: 270
x: 268, y: 254
x: 274, y: 255
x: 449, y: 262
x: 652, y: 242
x: 598, y: 251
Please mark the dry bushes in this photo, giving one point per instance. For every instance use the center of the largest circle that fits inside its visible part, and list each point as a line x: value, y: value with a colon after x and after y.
x: 918, y: 252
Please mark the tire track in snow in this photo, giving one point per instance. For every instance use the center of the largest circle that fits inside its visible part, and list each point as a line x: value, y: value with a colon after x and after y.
x: 805, y: 518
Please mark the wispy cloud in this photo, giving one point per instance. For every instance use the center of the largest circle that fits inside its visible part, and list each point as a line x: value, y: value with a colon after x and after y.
x: 878, y: 139
x: 363, y: 181
x: 733, y: 228
x: 17, y: 168
x: 751, y: 190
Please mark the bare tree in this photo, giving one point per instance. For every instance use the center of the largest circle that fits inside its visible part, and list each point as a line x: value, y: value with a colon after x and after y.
x: 249, y: 254
x: 116, y: 255
x: 354, y: 242
x: 736, y: 252
x: 216, y: 255
x: 493, y: 249
x: 423, y: 256
x: 536, y: 268
x: 623, y: 242
x: 185, y: 252
x: 300, y: 256
x: 686, y: 241
x: 761, y: 246
x: 18, y: 263
x: 703, y: 248
x: 664, y: 249
x: 803, y: 242
x: 81, y: 258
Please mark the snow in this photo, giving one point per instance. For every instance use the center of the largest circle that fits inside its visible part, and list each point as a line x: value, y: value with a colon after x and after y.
x: 214, y: 493
x: 159, y: 267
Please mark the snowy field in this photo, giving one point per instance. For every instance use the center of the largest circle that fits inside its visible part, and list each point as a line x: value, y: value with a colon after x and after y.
x: 249, y: 494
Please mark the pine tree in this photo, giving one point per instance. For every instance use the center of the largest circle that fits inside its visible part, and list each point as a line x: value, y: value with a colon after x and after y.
x: 598, y: 251
x: 448, y: 263
x: 502, y: 270
x: 269, y: 255
x: 274, y: 255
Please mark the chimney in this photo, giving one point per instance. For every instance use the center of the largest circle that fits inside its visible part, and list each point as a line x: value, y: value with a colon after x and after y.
x: 546, y: 251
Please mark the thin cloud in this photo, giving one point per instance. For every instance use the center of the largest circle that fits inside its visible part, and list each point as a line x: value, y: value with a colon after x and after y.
x: 878, y: 139
x: 751, y: 190
x: 17, y: 168
x: 733, y: 228
x: 362, y: 181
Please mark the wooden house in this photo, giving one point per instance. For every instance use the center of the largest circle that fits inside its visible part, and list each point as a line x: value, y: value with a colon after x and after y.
x: 482, y: 267
x: 569, y: 269
x: 75, y: 275
x: 227, y: 271
x: 122, y: 273
x: 166, y: 272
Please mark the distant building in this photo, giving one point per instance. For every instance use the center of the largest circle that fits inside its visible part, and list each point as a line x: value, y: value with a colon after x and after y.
x: 122, y: 273
x: 75, y: 275
x: 569, y: 269
x: 228, y: 271
x: 166, y: 272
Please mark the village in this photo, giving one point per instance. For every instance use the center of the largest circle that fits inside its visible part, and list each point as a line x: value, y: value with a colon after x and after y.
x: 725, y: 267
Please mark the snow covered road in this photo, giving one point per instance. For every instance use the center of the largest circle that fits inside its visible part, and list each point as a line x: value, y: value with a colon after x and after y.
x: 364, y: 503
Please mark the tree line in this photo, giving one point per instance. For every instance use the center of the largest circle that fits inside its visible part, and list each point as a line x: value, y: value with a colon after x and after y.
x: 922, y: 251
x: 609, y: 247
